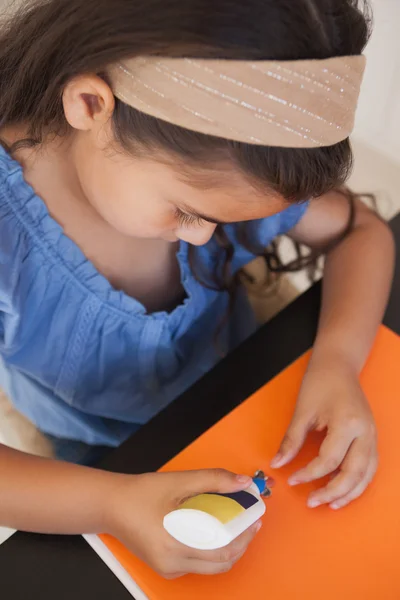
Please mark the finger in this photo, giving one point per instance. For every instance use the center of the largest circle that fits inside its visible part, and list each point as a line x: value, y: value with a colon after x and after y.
x: 212, y: 480
x: 359, y: 489
x: 331, y: 454
x: 291, y: 443
x: 353, y: 472
x: 230, y: 552
x: 207, y: 562
x: 171, y: 576
x: 205, y: 567
x: 202, y: 567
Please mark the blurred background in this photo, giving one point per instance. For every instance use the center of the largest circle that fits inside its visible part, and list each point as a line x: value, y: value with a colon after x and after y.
x: 377, y: 134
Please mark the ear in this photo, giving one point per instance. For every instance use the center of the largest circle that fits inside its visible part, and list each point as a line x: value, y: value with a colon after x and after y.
x: 88, y: 102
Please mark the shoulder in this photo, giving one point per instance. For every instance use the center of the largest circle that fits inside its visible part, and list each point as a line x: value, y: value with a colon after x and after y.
x: 263, y: 231
x: 260, y: 233
x: 8, y: 166
x: 14, y: 195
x: 12, y: 184
x: 280, y: 223
x: 291, y: 216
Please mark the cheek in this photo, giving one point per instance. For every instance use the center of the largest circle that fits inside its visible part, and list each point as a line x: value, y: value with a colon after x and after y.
x: 197, y: 236
x: 125, y: 204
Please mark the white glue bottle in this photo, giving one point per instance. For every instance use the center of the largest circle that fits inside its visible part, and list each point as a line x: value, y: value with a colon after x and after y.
x: 211, y: 521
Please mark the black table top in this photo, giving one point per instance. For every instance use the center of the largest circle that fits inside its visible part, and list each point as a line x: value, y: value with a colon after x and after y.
x: 61, y: 567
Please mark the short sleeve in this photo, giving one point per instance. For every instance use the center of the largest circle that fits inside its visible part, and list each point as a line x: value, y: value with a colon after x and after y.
x: 263, y: 231
x: 291, y: 216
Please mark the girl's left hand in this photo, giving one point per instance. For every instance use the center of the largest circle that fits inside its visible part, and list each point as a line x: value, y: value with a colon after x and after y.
x: 331, y: 398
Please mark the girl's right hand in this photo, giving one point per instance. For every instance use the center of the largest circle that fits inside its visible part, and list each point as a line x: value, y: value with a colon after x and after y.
x: 138, y: 509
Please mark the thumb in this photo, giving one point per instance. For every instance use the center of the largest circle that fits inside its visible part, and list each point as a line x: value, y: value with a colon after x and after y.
x: 215, y: 480
x: 292, y: 442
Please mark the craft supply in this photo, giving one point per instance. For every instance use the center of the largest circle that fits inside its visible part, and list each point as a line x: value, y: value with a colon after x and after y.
x: 351, y: 554
x: 211, y: 521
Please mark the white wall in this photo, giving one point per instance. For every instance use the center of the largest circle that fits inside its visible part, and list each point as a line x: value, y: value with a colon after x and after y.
x: 378, y: 119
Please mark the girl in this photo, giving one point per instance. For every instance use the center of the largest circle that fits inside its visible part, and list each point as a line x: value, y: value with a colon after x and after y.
x: 150, y: 150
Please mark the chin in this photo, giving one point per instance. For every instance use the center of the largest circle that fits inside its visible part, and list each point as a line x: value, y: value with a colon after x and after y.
x: 169, y: 237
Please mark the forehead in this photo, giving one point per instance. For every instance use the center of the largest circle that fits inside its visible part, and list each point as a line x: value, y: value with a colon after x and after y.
x: 221, y: 193
x: 228, y: 195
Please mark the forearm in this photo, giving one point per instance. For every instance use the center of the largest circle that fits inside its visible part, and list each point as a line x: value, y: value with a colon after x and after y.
x: 356, y: 286
x: 47, y: 496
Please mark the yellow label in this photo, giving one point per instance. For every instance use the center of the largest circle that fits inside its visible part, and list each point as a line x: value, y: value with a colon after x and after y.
x: 222, y: 508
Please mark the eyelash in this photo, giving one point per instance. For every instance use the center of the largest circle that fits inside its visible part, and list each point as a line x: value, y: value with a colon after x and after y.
x: 186, y: 220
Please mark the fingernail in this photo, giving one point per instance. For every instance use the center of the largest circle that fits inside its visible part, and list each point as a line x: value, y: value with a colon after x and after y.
x: 258, y: 527
x: 276, y: 461
x: 244, y: 479
x: 335, y: 505
x: 293, y: 481
x: 313, y: 503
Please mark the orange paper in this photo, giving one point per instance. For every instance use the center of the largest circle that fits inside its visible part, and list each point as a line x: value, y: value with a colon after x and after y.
x: 352, y: 554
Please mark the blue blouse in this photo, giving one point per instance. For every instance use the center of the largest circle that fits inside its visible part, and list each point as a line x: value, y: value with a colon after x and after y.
x: 86, y: 362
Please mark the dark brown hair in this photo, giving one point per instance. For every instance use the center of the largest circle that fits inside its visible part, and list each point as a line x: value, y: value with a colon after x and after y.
x: 48, y: 42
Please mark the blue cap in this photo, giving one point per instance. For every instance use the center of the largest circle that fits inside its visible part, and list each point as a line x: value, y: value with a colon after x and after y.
x: 260, y: 483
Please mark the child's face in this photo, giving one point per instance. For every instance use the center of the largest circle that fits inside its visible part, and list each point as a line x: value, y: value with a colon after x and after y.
x: 152, y: 197
x: 147, y: 198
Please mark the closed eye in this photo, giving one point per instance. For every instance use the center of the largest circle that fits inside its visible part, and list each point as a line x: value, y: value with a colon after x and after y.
x: 186, y: 220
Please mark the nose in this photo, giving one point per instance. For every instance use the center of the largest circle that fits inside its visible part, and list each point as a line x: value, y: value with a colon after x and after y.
x: 197, y: 236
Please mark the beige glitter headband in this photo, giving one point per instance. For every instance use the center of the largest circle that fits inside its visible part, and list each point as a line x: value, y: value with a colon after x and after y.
x: 296, y: 104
